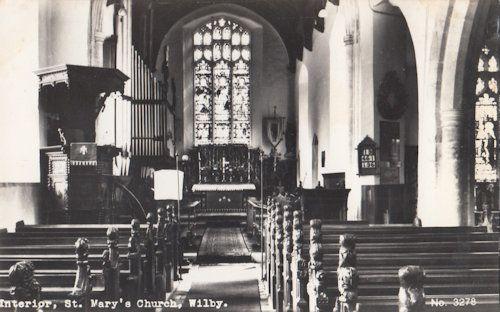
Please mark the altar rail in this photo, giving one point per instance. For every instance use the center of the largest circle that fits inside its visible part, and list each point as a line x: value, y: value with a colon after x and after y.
x: 225, y: 164
x: 303, y: 262
x: 145, y: 268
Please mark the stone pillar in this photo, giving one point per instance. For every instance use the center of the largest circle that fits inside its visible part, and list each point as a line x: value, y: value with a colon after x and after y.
x: 348, y: 9
x: 452, y: 172
x: 98, y: 55
x: 349, y: 43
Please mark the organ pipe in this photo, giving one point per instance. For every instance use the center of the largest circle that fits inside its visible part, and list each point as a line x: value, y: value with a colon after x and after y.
x: 148, y: 109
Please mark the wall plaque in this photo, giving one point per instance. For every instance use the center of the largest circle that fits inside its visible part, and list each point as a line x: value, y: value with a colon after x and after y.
x: 367, y: 157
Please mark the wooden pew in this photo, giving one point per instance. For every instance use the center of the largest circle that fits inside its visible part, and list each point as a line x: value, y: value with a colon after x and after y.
x: 466, y: 265
x: 117, y: 272
x: 430, y: 246
x: 281, y: 278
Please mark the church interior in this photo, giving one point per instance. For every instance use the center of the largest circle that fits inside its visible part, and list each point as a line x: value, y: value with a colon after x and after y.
x: 249, y: 155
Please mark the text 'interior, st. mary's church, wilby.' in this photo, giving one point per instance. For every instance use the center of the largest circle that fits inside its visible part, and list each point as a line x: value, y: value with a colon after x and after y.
x: 249, y: 155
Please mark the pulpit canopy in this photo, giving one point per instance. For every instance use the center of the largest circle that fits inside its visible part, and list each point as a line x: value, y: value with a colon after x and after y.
x: 97, y: 79
x: 71, y: 97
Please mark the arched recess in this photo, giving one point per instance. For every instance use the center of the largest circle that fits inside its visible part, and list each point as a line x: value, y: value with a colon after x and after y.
x: 447, y: 52
x: 304, y: 138
x: 271, y: 81
x: 454, y: 47
x: 396, y: 117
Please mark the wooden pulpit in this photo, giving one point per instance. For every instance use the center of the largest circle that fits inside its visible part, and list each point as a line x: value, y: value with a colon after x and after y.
x: 75, y: 171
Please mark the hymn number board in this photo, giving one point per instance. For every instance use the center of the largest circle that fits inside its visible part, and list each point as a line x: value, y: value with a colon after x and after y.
x: 367, y: 157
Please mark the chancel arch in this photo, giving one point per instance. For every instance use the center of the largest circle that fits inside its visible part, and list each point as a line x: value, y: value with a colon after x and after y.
x: 270, y: 80
x: 394, y: 124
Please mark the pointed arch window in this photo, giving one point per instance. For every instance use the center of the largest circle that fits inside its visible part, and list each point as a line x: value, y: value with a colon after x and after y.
x: 222, y: 60
x: 486, y: 116
x: 486, y: 109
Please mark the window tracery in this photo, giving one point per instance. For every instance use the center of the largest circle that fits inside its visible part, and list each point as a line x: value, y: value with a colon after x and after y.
x: 222, y: 56
x: 486, y: 116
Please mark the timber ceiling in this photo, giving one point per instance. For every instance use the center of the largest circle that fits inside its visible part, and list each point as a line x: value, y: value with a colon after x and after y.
x: 294, y: 20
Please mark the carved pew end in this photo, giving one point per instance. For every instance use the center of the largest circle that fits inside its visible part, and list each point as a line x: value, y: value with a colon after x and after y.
x: 348, y: 280
x: 135, y: 280
x: 111, y: 265
x: 84, y: 281
x: 24, y: 285
x: 411, y: 292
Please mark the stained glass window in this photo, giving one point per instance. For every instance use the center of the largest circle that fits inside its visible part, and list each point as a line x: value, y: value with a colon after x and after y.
x: 486, y: 116
x: 221, y: 55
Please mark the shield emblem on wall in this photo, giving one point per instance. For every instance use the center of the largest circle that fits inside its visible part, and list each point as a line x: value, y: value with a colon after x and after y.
x: 275, y: 127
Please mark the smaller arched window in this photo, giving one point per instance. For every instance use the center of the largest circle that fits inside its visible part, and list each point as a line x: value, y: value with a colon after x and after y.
x: 486, y: 116
x: 221, y: 54
x: 486, y: 120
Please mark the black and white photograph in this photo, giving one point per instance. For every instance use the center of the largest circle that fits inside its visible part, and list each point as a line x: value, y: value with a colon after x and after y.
x: 249, y: 155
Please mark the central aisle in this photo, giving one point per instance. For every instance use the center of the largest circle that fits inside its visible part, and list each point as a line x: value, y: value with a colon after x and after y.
x: 223, y: 244
x: 234, y: 287
x: 223, y: 276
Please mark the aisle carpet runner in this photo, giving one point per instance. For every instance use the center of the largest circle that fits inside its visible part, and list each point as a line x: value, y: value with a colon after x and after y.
x: 223, y: 245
